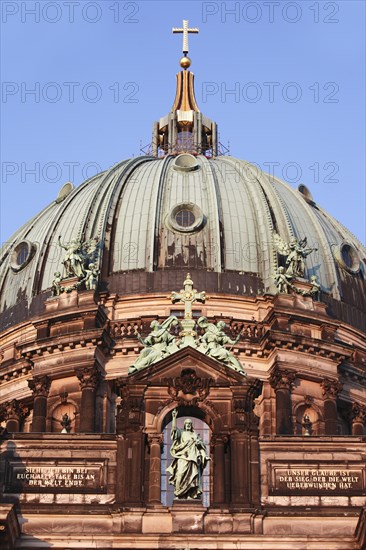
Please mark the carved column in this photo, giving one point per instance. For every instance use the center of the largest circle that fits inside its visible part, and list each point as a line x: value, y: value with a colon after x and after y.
x: 121, y: 477
x: 239, y: 443
x: 89, y: 380
x: 131, y: 450
x: 282, y: 382
x: 331, y: 389
x: 155, y: 443
x: 134, y: 470
x: 358, y: 419
x: 255, y: 486
x: 13, y: 412
x: 218, y: 443
x: 40, y: 386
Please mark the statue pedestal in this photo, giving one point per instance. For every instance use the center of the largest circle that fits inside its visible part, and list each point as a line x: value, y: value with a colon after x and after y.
x: 191, y: 503
x: 188, y: 516
x: 188, y: 334
x: 302, y: 284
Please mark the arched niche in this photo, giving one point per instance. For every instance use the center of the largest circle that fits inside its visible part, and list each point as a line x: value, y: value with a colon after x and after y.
x: 57, y: 413
x: 204, y: 411
x: 313, y: 412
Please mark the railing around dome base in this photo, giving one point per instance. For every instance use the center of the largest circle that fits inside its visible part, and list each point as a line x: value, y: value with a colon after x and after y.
x: 184, y: 145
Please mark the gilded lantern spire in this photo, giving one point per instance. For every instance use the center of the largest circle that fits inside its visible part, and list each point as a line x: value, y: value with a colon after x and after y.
x: 185, y: 129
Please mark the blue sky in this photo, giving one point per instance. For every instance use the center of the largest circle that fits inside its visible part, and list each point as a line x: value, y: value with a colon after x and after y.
x: 82, y: 83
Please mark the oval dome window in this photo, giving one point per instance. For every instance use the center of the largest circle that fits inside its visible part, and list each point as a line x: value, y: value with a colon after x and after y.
x: 347, y: 257
x: 22, y: 255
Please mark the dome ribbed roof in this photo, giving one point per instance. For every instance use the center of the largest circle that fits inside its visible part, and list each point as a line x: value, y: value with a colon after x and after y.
x: 185, y: 212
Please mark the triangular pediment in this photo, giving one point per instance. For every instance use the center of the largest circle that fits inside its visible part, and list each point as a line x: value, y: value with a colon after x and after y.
x: 189, y: 358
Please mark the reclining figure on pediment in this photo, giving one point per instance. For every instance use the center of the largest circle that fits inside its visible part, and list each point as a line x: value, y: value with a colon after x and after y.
x: 213, y: 342
x: 157, y: 345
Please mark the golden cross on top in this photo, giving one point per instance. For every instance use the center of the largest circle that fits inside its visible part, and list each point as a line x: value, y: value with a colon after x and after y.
x: 185, y: 30
x: 188, y: 295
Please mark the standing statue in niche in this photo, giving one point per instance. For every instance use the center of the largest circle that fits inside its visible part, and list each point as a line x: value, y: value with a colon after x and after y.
x: 212, y: 343
x: 189, y: 460
x: 158, y: 344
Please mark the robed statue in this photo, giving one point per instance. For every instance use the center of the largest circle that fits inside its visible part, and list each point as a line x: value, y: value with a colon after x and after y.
x: 296, y: 252
x: 189, y: 460
x: 73, y: 259
x: 158, y: 344
x: 213, y: 343
x: 80, y: 254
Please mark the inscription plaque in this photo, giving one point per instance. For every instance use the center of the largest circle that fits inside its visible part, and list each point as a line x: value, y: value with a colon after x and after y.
x: 60, y: 477
x: 315, y: 481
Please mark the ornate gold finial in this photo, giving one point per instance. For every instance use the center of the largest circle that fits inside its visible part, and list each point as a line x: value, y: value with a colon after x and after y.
x: 185, y: 62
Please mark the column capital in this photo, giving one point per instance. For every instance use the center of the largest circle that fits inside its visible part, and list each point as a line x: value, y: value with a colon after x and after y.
x: 219, y: 440
x: 331, y: 388
x: 358, y: 413
x: 40, y: 385
x: 282, y: 379
x: 89, y: 377
x: 155, y: 439
x: 13, y: 410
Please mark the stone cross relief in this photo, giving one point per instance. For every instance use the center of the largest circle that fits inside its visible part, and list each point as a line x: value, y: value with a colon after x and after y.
x: 185, y: 30
x: 160, y: 342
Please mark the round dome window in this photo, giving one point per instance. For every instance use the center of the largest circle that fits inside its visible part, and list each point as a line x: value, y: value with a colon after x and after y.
x: 22, y: 255
x: 347, y: 257
x: 186, y: 218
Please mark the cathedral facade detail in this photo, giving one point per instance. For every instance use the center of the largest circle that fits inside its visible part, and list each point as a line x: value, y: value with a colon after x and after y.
x: 137, y: 415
